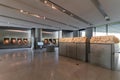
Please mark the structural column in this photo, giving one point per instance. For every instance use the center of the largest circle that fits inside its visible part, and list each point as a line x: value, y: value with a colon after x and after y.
x: 76, y: 33
x: 40, y: 38
x: 36, y: 34
x: 89, y: 34
x: 32, y: 38
x: 60, y: 34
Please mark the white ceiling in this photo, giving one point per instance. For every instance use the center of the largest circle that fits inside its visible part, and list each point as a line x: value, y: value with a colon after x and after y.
x: 82, y: 8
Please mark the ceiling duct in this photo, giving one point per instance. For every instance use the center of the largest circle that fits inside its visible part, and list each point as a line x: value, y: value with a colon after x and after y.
x: 101, y: 9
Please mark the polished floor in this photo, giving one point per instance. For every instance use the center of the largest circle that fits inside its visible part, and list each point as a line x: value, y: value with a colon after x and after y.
x: 26, y: 64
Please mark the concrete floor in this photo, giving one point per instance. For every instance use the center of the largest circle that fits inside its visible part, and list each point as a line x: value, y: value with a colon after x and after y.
x: 26, y: 64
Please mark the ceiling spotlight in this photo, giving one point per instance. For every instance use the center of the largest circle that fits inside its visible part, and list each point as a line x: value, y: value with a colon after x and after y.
x: 53, y: 7
x: 36, y: 15
x: 45, y: 2
x: 63, y: 10
x: 107, y: 18
x: 21, y: 11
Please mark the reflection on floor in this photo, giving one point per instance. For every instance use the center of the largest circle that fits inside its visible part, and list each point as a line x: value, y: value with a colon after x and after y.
x: 26, y: 64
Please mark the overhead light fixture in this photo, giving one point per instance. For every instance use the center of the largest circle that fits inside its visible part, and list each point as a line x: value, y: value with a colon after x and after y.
x: 24, y: 12
x: 101, y: 9
x: 107, y: 18
x: 49, y: 4
x: 21, y: 11
x: 16, y: 31
x: 47, y: 32
x: 45, y: 2
x: 35, y: 15
x: 53, y: 7
x: 32, y: 14
x: 63, y: 10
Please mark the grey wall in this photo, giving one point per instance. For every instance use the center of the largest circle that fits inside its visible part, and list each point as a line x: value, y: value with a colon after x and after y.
x: 50, y: 35
x: 14, y: 33
x: 89, y: 32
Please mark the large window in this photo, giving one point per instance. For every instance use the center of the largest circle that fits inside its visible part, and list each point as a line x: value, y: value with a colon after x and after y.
x: 100, y: 31
x: 110, y: 29
x: 94, y: 31
x: 82, y: 33
x: 114, y: 29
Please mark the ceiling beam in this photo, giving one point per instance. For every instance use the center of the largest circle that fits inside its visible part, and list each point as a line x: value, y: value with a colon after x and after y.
x: 27, y: 21
x: 63, y: 10
x: 33, y: 21
x: 101, y: 9
x: 62, y: 23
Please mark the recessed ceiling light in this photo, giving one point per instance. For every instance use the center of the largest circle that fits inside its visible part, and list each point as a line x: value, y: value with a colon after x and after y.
x: 45, y: 1
x: 63, y: 10
x: 21, y: 11
x: 35, y: 15
x: 53, y: 7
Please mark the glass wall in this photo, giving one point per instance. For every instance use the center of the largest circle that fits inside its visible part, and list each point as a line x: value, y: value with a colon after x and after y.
x: 82, y: 33
x: 109, y: 29
x: 114, y: 29
x: 94, y: 31
x: 100, y: 31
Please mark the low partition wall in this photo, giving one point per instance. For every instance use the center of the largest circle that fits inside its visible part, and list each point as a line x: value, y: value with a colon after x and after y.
x: 102, y: 55
x: 73, y: 48
x: 102, y: 51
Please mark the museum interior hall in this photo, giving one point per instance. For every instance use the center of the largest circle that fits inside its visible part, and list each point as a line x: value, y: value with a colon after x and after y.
x: 59, y: 39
